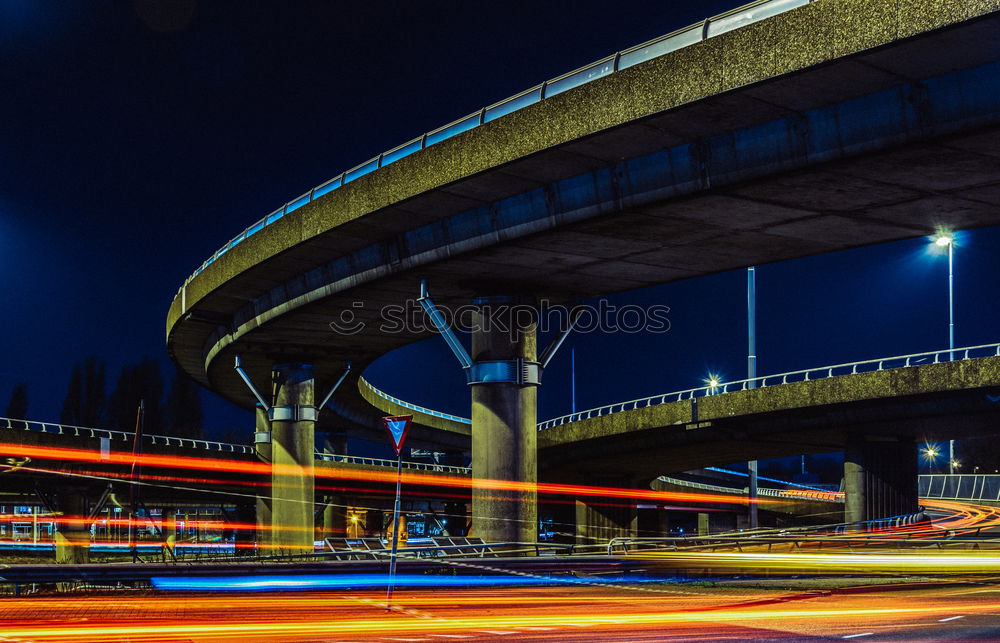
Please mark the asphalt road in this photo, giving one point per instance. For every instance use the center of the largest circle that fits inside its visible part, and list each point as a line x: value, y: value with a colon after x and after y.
x: 913, y: 612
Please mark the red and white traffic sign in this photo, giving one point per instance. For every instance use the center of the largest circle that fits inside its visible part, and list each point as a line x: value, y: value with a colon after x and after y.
x: 397, y: 426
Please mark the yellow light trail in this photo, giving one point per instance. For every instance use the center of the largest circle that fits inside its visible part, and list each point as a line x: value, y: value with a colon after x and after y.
x: 878, y: 562
x: 383, y: 625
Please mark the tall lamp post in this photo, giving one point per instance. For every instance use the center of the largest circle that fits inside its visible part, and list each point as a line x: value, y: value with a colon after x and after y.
x: 947, y: 240
x: 751, y: 374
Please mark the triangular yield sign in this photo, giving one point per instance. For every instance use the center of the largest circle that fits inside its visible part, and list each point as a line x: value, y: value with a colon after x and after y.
x: 397, y: 426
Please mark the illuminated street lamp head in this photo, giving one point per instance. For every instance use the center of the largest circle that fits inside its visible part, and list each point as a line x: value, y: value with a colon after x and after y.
x: 944, y: 240
x: 931, y: 452
x: 713, y: 381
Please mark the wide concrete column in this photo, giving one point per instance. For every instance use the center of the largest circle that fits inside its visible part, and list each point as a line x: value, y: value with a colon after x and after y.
x: 504, y: 425
x: 334, y: 517
x: 880, y: 478
x: 293, y: 424
x: 73, y: 535
x: 262, y: 445
x: 599, y: 520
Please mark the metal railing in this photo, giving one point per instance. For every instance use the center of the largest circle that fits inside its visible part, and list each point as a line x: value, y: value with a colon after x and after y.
x: 796, y: 494
x: 121, y: 436
x: 823, y: 372
x: 413, y: 407
x: 660, y: 46
x: 962, y: 486
x: 379, y: 462
x: 206, y: 445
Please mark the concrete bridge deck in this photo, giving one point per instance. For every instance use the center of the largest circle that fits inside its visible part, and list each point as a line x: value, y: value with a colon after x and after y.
x: 825, y: 127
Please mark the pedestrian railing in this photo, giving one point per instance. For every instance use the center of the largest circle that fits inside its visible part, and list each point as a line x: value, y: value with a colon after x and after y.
x: 974, y: 487
x: 797, y: 494
x: 379, y: 462
x: 121, y: 436
x: 806, y: 375
x: 823, y: 372
x: 665, y: 44
x: 128, y: 437
x: 413, y: 407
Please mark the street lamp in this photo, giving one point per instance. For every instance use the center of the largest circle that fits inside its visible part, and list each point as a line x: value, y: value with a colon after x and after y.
x: 945, y: 239
x: 713, y: 382
x: 931, y: 453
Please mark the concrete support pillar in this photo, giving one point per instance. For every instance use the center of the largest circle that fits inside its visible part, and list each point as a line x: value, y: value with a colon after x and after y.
x: 599, y: 520
x: 72, y: 534
x: 262, y: 444
x: 504, y: 432
x: 716, y: 522
x: 293, y: 424
x: 168, y: 523
x: 880, y: 478
x: 704, y: 527
x: 336, y: 442
x: 334, y: 524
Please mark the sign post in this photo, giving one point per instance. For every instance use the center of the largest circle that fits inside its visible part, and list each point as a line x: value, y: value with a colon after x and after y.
x: 397, y: 427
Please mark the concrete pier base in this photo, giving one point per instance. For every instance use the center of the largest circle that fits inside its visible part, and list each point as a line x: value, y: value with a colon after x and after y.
x: 880, y: 478
x: 504, y: 431
x: 292, y: 448
x: 334, y: 523
x: 73, y: 536
x: 599, y: 520
x: 168, y: 524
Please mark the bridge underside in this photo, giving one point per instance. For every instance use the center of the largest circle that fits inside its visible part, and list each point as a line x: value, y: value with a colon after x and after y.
x: 790, y: 175
x: 893, y: 140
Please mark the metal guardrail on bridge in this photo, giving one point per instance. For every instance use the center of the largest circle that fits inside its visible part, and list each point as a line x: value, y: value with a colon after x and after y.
x: 963, y: 486
x: 379, y: 462
x: 413, y: 407
x: 823, y: 372
x: 121, y: 436
x: 205, y: 445
x: 796, y: 494
x: 728, y: 21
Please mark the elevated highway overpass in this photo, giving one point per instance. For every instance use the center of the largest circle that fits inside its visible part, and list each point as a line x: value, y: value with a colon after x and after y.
x: 784, y: 129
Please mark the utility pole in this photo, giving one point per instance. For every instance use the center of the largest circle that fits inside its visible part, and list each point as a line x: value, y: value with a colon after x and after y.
x: 751, y: 374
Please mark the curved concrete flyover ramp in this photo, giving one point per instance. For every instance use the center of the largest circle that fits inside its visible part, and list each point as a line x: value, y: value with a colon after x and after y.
x: 836, y: 124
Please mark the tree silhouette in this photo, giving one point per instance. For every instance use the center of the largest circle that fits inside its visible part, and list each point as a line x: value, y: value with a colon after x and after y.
x: 183, y: 411
x: 18, y: 405
x: 92, y: 407
x: 85, y: 403
x: 71, y: 409
x: 138, y: 382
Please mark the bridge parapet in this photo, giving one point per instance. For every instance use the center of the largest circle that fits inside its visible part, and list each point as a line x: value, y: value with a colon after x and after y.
x: 120, y: 436
x: 805, y: 375
x: 127, y: 437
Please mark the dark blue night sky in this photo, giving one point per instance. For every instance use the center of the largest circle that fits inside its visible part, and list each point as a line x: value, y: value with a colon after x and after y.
x: 136, y: 141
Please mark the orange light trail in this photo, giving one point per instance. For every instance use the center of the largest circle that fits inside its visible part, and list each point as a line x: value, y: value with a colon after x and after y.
x: 339, y: 473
